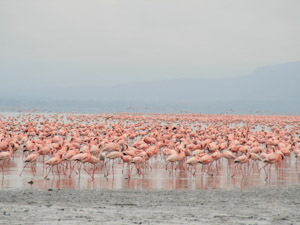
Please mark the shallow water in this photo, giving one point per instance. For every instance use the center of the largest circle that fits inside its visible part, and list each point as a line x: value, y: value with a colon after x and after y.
x: 156, y: 179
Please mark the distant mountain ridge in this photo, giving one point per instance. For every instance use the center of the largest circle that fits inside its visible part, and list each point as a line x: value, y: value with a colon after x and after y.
x: 272, y: 88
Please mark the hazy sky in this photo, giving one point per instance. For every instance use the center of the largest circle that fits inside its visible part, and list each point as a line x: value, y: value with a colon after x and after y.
x: 104, y: 42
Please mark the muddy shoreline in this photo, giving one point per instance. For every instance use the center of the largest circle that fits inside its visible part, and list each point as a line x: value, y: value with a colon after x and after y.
x: 212, y: 206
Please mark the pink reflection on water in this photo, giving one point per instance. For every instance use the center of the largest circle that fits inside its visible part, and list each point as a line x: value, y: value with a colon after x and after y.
x: 156, y: 179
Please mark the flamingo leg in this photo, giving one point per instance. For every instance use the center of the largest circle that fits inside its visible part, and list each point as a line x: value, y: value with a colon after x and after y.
x: 23, y: 168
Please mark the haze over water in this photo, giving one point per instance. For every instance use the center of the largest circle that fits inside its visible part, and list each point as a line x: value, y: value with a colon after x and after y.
x: 162, y: 87
x: 141, y: 56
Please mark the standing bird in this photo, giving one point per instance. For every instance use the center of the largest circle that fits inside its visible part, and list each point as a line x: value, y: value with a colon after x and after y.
x: 126, y: 159
x: 31, y: 159
x: 89, y: 158
x: 5, y: 157
x: 241, y: 160
x: 112, y: 156
x: 272, y: 158
x: 192, y: 162
x: 54, y: 161
x: 206, y: 159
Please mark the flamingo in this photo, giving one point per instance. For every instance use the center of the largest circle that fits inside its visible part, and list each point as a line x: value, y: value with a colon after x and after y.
x: 205, y: 159
x: 241, y: 160
x: 31, y: 159
x: 5, y: 157
x: 128, y: 160
x: 112, y: 156
x: 54, y: 161
x: 272, y: 158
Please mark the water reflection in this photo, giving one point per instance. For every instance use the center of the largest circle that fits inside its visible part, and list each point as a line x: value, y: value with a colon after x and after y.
x: 156, y: 178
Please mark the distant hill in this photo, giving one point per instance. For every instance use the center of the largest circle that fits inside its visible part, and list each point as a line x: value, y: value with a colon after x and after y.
x: 269, y: 89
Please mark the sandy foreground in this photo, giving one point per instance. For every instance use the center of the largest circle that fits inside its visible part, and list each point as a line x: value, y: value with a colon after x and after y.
x: 58, y: 206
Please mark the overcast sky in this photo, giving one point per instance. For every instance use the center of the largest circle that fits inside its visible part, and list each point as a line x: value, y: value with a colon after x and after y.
x: 104, y: 42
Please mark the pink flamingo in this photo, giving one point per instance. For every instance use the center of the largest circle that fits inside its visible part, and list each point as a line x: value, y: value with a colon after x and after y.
x: 54, y: 161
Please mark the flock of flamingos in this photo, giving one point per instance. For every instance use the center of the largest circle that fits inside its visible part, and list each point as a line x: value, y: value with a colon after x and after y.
x: 68, y: 144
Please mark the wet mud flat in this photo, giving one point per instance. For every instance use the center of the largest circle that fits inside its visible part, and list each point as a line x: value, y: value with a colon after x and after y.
x: 211, y: 206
